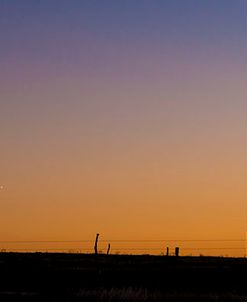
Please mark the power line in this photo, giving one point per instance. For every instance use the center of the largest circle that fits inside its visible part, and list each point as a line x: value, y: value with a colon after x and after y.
x: 124, y: 240
x: 123, y: 249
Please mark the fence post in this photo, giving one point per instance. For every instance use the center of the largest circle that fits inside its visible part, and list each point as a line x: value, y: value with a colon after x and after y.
x: 176, y: 251
x: 108, y: 249
x: 96, y: 244
x: 167, y: 251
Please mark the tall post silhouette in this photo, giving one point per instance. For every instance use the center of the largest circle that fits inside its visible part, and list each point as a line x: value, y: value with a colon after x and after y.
x: 96, y: 244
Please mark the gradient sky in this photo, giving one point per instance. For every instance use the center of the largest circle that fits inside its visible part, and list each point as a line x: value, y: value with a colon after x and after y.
x: 123, y: 117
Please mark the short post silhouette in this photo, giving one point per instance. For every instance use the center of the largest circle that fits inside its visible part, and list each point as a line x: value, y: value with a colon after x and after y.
x: 176, y: 251
x: 167, y: 251
x: 108, y: 249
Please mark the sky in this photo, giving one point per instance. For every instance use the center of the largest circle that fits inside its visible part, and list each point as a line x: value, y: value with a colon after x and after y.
x: 126, y: 118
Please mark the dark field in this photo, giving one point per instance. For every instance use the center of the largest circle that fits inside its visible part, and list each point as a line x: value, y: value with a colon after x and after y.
x: 80, y: 277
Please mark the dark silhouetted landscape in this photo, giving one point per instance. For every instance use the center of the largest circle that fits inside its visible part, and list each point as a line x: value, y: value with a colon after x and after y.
x: 88, y: 277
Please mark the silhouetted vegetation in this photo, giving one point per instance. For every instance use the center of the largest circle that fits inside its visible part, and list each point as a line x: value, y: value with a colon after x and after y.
x: 78, y: 277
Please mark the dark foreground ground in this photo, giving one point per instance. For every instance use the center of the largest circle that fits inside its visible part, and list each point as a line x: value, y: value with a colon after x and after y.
x: 78, y: 277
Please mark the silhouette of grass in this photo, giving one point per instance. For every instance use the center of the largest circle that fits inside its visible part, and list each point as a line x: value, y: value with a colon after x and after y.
x: 79, y: 277
x: 131, y: 294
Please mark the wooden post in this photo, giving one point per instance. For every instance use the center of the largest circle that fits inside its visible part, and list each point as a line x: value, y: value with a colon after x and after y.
x: 96, y: 244
x: 108, y: 249
x: 176, y: 251
x: 167, y: 251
